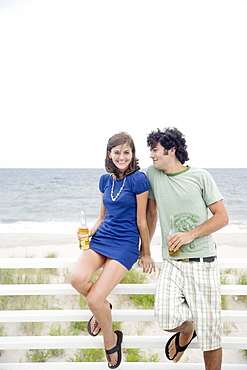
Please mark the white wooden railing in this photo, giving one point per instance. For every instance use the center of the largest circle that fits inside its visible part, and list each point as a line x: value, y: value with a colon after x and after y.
x: 63, y: 342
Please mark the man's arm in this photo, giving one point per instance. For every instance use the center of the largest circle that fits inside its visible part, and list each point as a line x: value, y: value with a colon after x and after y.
x: 216, y: 222
x: 152, y: 217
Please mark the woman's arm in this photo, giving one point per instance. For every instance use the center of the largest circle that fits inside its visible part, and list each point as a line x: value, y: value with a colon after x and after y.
x: 101, y: 217
x: 145, y: 261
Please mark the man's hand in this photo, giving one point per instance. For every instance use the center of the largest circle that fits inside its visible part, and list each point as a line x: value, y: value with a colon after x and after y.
x: 175, y: 241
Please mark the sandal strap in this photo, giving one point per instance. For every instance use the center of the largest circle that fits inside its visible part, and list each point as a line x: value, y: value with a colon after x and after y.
x: 182, y: 349
x: 113, y: 350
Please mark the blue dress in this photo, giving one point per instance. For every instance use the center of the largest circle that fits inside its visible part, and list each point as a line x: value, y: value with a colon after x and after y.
x: 117, y: 236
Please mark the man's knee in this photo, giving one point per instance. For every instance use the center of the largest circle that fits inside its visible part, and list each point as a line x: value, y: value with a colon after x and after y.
x: 185, y: 327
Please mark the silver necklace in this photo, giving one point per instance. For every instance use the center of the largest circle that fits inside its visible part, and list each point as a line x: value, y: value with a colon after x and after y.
x: 120, y: 190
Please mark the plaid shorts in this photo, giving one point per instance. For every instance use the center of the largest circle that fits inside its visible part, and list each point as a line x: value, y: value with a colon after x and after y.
x: 190, y: 291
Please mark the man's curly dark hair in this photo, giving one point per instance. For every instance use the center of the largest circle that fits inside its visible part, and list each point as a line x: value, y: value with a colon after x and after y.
x: 169, y: 138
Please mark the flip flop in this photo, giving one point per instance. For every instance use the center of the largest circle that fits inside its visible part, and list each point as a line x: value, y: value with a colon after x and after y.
x: 117, y: 349
x: 178, y: 348
x: 96, y: 324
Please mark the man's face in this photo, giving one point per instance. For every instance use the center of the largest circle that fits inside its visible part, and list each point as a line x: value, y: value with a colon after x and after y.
x: 160, y: 157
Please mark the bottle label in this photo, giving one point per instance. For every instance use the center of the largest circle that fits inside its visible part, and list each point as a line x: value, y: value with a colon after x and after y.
x: 83, y: 237
x: 83, y: 233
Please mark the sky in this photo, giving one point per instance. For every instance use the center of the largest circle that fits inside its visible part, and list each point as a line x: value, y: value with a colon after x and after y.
x: 73, y: 73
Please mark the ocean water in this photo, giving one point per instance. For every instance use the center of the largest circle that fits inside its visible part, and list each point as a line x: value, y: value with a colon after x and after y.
x: 50, y: 200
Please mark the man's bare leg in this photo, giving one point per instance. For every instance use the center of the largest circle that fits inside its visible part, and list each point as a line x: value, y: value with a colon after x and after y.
x: 213, y: 359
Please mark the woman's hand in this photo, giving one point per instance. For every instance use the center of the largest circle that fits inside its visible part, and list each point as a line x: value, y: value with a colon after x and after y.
x: 147, y: 264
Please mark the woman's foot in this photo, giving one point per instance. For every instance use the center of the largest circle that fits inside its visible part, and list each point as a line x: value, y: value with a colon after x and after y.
x: 114, y: 355
x: 93, y: 326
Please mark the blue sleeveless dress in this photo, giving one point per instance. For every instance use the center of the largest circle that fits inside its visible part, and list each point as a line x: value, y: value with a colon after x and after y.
x: 117, y: 236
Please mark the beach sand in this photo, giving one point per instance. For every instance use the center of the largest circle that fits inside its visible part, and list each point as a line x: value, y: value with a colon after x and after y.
x: 66, y: 246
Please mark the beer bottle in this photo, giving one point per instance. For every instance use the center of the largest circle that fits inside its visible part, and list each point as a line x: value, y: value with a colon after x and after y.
x: 83, y: 232
x: 172, y: 230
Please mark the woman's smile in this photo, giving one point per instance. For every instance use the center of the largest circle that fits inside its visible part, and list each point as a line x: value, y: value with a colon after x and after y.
x: 121, y: 156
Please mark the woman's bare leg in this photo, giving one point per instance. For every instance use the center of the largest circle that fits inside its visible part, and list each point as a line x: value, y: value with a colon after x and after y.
x: 111, y: 275
x: 88, y: 263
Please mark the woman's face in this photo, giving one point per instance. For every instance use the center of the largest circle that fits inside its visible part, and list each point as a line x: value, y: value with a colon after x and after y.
x: 121, y: 156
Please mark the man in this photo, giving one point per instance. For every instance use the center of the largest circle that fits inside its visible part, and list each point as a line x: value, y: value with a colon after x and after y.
x: 187, y: 298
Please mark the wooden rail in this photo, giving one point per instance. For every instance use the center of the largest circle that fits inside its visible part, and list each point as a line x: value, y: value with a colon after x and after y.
x: 126, y: 315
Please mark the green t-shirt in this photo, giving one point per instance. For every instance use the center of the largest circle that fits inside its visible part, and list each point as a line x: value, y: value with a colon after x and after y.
x: 186, y: 196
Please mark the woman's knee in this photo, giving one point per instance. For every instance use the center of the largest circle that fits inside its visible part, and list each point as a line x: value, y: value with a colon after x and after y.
x: 74, y: 280
x: 95, y: 301
x: 80, y: 283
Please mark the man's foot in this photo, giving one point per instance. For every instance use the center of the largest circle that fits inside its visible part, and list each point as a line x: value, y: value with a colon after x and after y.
x: 177, y: 344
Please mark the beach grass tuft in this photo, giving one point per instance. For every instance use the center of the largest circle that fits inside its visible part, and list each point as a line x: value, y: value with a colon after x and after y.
x: 136, y: 355
x: 244, y: 351
x: 77, y: 327
x: 88, y: 355
x: 1, y: 335
x: 38, y: 355
x: 242, y: 279
x: 135, y: 276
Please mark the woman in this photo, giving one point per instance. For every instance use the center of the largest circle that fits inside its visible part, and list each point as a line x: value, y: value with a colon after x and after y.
x: 115, y: 239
